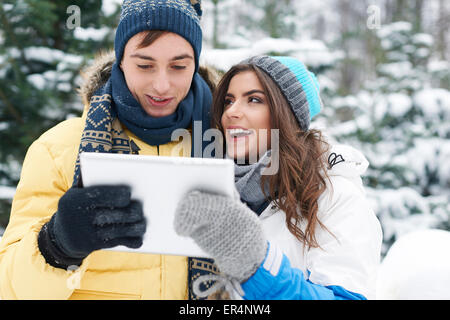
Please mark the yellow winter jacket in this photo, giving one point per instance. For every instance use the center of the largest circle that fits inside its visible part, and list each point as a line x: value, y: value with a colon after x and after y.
x: 47, y: 173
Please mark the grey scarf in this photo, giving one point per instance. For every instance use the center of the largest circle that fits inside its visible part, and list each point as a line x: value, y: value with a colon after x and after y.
x: 247, y: 179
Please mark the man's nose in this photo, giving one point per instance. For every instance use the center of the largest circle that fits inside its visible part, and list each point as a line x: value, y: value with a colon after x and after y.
x: 161, y: 84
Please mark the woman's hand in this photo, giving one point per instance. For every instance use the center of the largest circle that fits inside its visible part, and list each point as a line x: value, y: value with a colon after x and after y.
x: 226, y: 229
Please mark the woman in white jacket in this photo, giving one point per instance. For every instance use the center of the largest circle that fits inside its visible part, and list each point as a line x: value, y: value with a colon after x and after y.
x: 302, y: 227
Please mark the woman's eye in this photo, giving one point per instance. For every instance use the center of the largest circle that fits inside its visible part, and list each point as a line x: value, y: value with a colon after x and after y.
x: 254, y: 100
x: 227, y: 102
x: 179, y: 67
x: 144, y: 66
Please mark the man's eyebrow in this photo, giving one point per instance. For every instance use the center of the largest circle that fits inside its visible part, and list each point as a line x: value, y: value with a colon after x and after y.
x: 183, y: 56
x: 180, y: 57
x: 141, y: 56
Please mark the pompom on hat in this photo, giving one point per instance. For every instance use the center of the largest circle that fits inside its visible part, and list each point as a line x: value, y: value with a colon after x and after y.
x: 299, y: 86
x: 178, y: 16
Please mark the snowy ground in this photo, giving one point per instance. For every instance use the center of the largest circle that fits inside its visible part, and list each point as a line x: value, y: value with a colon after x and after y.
x: 417, y: 267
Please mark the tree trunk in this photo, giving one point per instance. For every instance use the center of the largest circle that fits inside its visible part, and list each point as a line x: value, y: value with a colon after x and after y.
x: 399, y: 13
x: 272, y: 19
x: 346, y: 77
x: 319, y: 29
x: 388, y: 11
x: 443, y: 26
x: 418, y: 6
x: 215, y: 24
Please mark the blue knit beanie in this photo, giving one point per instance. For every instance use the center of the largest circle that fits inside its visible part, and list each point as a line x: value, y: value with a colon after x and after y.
x: 178, y: 16
x: 299, y: 86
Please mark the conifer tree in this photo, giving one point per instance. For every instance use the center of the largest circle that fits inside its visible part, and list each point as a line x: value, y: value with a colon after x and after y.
x: 400, y: 122
x: 42, y: 48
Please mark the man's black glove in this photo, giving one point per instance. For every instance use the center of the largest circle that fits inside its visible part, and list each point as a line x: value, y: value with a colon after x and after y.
x: 90, y: 219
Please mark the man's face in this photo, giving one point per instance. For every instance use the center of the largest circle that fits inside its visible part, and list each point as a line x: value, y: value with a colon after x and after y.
x: 159, y: 76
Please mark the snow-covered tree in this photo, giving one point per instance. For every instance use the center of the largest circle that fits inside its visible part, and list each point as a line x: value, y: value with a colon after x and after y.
x: 401, y: 122
x: 43, y: 45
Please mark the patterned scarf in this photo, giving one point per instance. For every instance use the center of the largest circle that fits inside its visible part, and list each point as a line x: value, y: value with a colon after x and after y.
x: 113, y: 104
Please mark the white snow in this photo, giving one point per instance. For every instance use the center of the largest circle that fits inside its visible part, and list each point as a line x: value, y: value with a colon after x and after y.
x: 438, y: 66
x: 224, y: 59
x: 51, y: 79
x: 310, y: 52
x: 64, y: 87
x: 7, y: 192
x: 433, y: 102
x: 422, y: 52
x: 400, y: 26
x: 110, y: 6
x: 47, y: 55
x: 417, y: 266
x: 4, y: 126
x: 423, y: 39
x: 278, y: 45
x: 398, y: 104
x: 396, y: 70
x: 394, y: 206
x: 37, y: 80
x: 7, y: 7
x: 44, y: 54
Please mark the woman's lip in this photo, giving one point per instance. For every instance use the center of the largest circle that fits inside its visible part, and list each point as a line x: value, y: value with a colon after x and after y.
x: 155, y: 103
x: 235, y: 138
x: 236, y: 127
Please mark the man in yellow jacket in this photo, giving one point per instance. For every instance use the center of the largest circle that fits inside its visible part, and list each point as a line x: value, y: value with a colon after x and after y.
x: 134, y: 99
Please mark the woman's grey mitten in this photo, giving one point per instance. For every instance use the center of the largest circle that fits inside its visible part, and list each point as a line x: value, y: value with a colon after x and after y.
x: 226, y: 229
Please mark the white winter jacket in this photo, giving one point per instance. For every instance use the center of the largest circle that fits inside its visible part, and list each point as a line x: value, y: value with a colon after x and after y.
x: 349, y: 253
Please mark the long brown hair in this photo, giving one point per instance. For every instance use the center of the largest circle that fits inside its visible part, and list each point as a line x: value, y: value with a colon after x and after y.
x: 300, y: 180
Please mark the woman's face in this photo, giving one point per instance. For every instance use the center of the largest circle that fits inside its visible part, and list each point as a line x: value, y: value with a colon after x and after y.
x: 246, y: 118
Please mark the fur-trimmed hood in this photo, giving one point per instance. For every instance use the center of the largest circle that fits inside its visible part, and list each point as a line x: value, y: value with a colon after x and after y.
x: 96, y: 75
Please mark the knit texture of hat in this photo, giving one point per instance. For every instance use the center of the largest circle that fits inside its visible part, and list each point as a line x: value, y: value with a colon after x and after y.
x: 299, y: 86
x: 178, y: 16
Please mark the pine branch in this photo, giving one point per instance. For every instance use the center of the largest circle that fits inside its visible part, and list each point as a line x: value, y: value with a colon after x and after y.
x: 10, y: 32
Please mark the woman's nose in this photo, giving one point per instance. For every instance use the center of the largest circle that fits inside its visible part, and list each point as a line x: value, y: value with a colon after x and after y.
x: 234, y: 110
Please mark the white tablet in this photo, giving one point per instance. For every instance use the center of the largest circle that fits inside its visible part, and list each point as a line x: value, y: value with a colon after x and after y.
x: 160, y: 182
